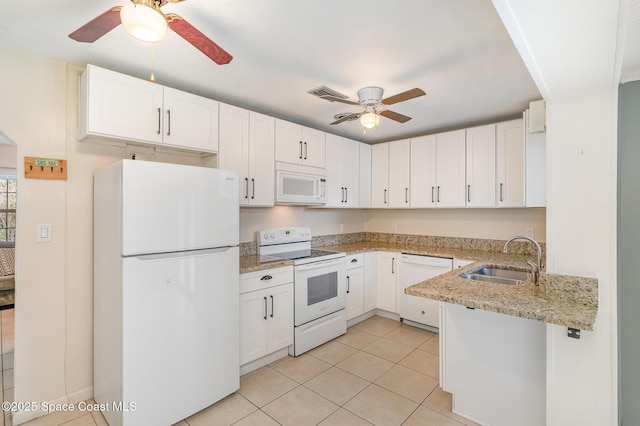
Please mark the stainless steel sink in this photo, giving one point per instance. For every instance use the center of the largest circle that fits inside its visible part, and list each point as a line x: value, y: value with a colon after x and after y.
x: 496, y: 275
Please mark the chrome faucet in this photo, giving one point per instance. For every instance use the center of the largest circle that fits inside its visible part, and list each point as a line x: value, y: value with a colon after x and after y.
x: 535, y: 269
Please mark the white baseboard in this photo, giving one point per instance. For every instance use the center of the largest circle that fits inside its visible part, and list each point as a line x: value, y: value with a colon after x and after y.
x: 387, y: 314
x: 360, y: 318
x: 20, y: 417
x: 265, y: 360
x: 81, y: 395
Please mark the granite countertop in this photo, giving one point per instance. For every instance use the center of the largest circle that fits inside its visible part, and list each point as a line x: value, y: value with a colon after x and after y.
x: 559, y: 299
x: 255, y: 262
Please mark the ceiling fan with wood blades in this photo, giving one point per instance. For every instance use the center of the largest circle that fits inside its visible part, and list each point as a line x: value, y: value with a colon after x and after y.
x: 147, y: 17
x: 370, y: 99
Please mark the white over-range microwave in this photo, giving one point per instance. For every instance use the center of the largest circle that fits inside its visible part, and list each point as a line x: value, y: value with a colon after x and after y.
x: 297, y: 184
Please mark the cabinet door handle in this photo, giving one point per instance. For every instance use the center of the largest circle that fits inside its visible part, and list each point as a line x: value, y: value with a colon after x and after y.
x: 501, y: 192
x: 406, y: 195
x: 266, y: 278
x: 159, y: 119
x: 348, y: 284
x: 393, y: 265
x: 468, y: 193
x: 438, y: 195
x: 271, y: 305
x: 265, y: 307
x: 432, y: 190
x: 354, y: 260
x: 168, y: 122
x: 385, y: 196
x: 306, y: 150
x: 301, y: 150
x: 246, y: 188
x: 346, y: 194
x: 342, y: 194
x: 253, y: 188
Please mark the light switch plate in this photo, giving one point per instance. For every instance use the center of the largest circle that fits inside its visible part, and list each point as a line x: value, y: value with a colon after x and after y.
x: 43, y: 233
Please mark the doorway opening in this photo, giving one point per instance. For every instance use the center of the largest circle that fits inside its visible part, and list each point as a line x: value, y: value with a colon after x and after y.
x: 8, y: 214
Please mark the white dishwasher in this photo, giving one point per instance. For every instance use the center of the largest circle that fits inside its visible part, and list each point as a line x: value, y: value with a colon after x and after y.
x: 413, y: 269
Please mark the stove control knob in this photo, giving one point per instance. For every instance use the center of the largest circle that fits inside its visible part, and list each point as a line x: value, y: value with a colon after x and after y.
x: 273, y: 236
x: 265, y: 236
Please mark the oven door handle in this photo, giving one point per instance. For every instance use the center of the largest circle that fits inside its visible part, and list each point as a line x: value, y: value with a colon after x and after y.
x: 321, y: 264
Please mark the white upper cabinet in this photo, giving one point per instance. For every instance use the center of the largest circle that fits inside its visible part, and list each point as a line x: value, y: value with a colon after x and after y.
x: 450, y: 167
x: 399, y: 173
x: 481, y: 166
x: 423, y: 171
x: 365, y: 175
x: 247, y: 147
x: 117, y: 106
x: 343, y: 172
x: 390, y: 174
x: 190, y: 121
x: 380, y: 175
x: 299, y: 144
x: 261, y: 159
x: 438, y: 170
x: 510, y: 181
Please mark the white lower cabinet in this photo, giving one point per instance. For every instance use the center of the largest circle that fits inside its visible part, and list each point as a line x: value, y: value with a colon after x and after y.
x: 370, y: 281
x: 355, y: 285
x: 494, y: 365
x: 387, y: 272
x: 266, y: 312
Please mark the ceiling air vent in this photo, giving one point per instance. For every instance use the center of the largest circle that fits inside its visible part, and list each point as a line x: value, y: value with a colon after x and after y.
x: 323, y: 91
x: 346, y: 114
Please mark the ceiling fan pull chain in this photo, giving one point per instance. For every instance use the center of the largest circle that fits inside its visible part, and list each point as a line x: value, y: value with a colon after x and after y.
x: 153, y: 62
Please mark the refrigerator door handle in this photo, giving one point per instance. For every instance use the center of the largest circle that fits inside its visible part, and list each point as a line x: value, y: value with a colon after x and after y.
x: 179, y: 254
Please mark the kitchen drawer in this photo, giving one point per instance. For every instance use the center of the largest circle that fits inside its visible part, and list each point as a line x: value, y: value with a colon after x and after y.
x: 266, y: 278
x: 355, y: 260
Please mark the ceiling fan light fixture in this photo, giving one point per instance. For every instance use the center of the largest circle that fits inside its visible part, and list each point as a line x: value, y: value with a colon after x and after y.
x: 143, y: 22
x: 369, y: 120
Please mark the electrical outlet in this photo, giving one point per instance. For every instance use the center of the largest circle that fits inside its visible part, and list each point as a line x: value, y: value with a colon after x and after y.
x: 528, y: 233
x: 394, y: 227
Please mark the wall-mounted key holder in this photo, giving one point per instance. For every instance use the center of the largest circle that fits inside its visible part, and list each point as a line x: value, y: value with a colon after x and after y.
x: 45, y: 168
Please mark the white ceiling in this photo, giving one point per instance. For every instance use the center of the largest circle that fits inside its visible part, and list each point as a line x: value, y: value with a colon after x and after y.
x: 458, y: 51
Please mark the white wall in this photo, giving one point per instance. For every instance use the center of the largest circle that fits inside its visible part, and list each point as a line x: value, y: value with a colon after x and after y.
x: 32, y: 114
x: 8, y: 156
x: 494, y: 224
x: 321, y: 221
x: 581, y: 227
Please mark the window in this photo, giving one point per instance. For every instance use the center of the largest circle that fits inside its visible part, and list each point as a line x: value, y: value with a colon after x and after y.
x: 8, y: 184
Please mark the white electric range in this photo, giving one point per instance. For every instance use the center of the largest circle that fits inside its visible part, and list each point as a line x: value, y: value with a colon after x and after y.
x: 320, y: 290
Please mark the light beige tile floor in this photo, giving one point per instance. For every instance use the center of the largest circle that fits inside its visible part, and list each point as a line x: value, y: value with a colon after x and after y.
x: 382, y: 372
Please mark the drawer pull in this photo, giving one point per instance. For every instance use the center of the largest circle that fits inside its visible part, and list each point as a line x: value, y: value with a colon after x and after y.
x: 354, y: 260
x: 266, y: 278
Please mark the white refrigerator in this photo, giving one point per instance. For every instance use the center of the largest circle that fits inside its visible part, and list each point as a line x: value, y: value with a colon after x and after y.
x: 166, y: 285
